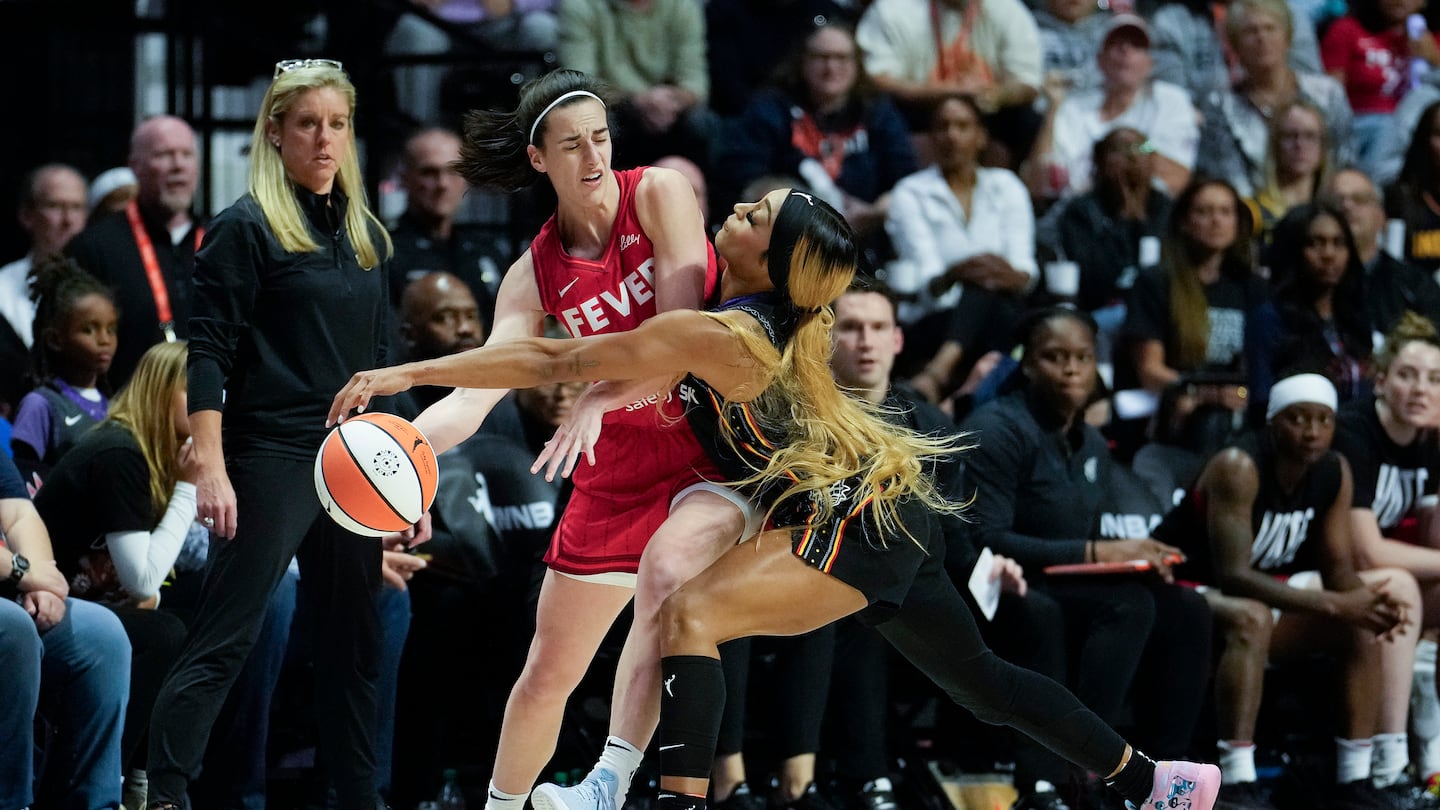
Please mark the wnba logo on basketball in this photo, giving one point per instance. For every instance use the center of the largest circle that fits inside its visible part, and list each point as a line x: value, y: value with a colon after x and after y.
x: 375, y: 474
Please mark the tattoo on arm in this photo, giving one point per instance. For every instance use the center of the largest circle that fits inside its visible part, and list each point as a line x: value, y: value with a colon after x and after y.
x: 579, y: 364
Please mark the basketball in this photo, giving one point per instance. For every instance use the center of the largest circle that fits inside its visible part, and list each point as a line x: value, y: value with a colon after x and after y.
x: 375, y: 474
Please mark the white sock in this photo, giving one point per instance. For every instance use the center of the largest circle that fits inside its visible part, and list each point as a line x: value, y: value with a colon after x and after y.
x: 1391, y: 755
x: 1424, y: 703
x: 500, y: 800
x: 1430, y: 757
x: 1352, y: 760
x: 1237, y: 761
x: 622, y: 759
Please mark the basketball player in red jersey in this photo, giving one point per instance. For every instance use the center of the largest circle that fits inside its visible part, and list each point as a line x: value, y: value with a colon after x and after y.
x: 621, y: 247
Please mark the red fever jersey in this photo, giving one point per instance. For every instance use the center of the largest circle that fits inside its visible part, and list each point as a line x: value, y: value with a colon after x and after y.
x: 645, y: 455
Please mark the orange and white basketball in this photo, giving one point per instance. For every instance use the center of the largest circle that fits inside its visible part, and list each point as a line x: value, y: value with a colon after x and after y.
x: 375, y: 474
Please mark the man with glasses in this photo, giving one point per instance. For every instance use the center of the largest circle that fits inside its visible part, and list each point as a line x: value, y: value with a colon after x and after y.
x: 1391, y: 285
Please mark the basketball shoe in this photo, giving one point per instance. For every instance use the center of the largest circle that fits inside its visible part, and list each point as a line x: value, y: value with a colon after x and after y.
x: 1181, y: 785
x: 595, y: 792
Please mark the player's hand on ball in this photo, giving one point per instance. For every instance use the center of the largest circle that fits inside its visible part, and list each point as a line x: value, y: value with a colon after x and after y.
x: 356, y: 394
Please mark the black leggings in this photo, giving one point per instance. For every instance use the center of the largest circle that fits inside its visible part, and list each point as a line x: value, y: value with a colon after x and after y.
x: 934, y: 630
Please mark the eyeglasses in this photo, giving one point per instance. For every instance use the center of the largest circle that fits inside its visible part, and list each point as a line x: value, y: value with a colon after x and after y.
x: 287, y: 65
x: 1133, y: 149
x: 1300, y: 137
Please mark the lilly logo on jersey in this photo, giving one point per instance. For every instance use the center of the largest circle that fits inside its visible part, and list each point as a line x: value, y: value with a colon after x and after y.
x: 627, y: 240
x: 593, y: 314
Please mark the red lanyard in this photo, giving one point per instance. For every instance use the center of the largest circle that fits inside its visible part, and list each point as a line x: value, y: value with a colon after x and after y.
x: 967, y: 21
x: 152, y: 268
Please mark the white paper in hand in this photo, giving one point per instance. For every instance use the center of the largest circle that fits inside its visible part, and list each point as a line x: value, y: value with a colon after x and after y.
x: 985, y: 589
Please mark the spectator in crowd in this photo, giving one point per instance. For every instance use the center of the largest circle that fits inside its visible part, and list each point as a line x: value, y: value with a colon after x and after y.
x: 66, y: 659
x: 746, y: 40
x: 964, y: 234
x: 1412, y: 197
x: 1395, y: 140
x: 147, y: 254
x: 1241, y: 116
x: 1389, y: 442
x: 1070, y: 35
x: 1267, y: 529
x: 922, y: 52
x: 504, y: 26
x: 134, y: 475
x: 426, y: 238
x: 653, y: 53
x: 1318, y: 315
x: 1191, y: 53
x: 1128, y: 97
x: 1369, y: 52
x: 52, y: 212
x: 75, y: 322
x: 1037, y: 476
x: 823, y: 122
x: 289, y: 337
x: 1186, y: 320
x: 1296, y: 166
x: 1391, y: 286
x: 112, y: 190
x: 1102, y: 229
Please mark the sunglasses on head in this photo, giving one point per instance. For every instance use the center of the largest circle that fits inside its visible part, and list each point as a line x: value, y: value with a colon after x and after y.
x: 287, y: 65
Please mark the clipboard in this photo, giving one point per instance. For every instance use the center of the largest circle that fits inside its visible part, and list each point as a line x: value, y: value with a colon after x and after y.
x: 1079, y: 569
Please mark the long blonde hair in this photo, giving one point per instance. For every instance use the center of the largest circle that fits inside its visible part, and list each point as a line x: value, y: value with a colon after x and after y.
x: 144, y: 407
x: 275, y: 191
x: 831, y: 437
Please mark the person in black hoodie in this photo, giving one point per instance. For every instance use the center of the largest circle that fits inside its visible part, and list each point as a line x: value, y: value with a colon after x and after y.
x: 290, y: 299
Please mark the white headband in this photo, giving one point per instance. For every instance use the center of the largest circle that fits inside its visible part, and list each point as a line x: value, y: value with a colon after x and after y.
x: 1301, y: 388
x: 553, y: 104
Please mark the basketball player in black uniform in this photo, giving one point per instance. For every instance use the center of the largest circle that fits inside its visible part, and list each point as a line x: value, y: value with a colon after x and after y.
x: 1266, y: 527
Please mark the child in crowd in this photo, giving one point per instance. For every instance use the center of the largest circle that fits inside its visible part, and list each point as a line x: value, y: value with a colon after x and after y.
x: 75, y: 323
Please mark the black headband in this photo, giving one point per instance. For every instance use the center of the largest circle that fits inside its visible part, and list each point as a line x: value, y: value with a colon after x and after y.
x: 784, y: 233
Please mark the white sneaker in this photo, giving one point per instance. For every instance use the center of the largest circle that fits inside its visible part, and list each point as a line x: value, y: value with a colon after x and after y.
x: 595, y: 792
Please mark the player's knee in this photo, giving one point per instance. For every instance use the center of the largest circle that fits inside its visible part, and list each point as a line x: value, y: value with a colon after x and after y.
x: 684, y: 623
x: 550, y: 677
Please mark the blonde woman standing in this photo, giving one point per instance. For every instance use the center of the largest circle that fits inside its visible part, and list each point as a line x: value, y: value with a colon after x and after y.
x: 290, y: 299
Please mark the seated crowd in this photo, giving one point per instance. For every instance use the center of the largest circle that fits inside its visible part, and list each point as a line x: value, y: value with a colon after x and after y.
x: 1167, y: 269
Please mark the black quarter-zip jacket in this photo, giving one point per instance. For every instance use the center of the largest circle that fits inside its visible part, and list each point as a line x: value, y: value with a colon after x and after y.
x: 274, y: 334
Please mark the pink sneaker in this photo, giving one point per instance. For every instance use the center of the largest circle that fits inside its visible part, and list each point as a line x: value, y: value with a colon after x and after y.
x: 1181, y: 785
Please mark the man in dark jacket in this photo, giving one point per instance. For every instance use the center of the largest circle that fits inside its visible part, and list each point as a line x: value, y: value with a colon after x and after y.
x: 147, y: 252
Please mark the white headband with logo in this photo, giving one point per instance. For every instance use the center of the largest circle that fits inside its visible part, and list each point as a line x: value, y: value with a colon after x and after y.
x: 1301, y: 388
x: 563, y: 97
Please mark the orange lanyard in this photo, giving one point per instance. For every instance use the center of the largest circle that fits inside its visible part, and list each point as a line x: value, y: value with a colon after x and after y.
x: 152, y: 268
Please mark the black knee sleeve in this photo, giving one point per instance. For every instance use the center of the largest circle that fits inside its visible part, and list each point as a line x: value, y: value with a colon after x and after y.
x: 692, y: 700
